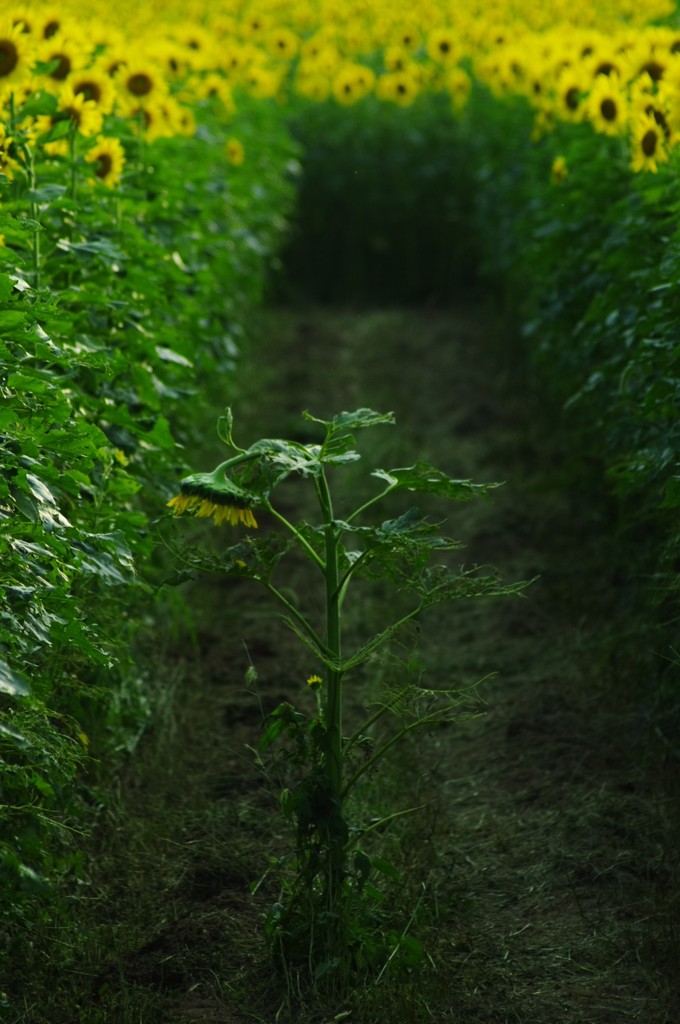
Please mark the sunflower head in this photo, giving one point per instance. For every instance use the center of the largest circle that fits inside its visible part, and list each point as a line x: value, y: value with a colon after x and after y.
x: 214, y: 496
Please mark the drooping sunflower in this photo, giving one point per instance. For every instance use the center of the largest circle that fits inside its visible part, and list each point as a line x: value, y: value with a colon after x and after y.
x: 214, y: 496
x: 107, y: 157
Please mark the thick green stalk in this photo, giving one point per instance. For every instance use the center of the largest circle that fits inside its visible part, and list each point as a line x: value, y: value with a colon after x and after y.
x: 333, y: 706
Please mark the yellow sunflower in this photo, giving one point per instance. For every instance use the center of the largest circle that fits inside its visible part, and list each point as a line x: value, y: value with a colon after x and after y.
x: 68, y: 55
x: 213, y: 496
x: 442, y: 46
x: 352, y: 83
x: 17, y: 53
x: 235, y: 152
x: 49, y: 21
x: 607, y: 105
x: 140, y: 83
x: 570, y: 91
x: 95, y: 85
x: 648, y: 145
x: 282, y: 43
x: 397, y: 87
x: 108, y: 159
x: 315, y: 87
x: 459, y: 85
x: 260, y: 81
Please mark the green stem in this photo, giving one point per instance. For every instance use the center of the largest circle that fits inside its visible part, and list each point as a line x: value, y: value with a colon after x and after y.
x: 381, y: 751
x: 333, y: 710
x: 371, y: 501
x: 72, y: 158
x: 298, y: 617
x: 35, y: 217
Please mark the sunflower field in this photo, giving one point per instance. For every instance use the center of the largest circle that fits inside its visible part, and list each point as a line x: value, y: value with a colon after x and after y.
x: 166, y: 171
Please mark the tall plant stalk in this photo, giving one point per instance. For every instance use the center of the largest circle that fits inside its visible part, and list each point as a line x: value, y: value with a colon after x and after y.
x: 312, y: 925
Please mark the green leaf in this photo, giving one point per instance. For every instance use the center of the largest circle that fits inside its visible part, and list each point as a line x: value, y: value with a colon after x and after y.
x: 423, y: 478
x: 671, y: 494
x: 14, y: 736
x: 41, y: 103
x: 345, y: 422
x: 11, y: 319
x: 46, y: 193
x: 11, y: 682
x: 6, y: 286
x: 386, y: 868
x: 225, y: 427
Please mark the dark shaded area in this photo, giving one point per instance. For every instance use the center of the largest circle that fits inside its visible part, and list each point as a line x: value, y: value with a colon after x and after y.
x: 384, y: 207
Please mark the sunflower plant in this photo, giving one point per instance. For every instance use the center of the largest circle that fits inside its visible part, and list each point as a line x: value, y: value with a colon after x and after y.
x: 315, y: 923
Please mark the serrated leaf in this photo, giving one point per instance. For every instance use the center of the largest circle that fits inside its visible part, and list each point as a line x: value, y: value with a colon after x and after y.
x: 422, y: 478
x: 345, y: 422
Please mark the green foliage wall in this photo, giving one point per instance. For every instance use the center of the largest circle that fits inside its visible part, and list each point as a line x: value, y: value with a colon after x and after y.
x: 590, y: 265
x: 381, y: 215
x: 112, y: 338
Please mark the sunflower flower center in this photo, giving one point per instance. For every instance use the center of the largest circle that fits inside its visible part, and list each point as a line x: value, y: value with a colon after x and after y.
x: 571, y: 98
x: 649, y: 141
x: 90, y: 91
x: 139, y: 84
x: 9, y: 57
x: 103, y: 165
x: 608, y: 109
x: 63, y: 67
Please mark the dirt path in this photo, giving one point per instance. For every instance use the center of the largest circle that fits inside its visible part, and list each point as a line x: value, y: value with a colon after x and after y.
x: 538, y: 849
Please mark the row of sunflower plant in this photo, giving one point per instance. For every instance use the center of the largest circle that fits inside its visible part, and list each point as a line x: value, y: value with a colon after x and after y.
x: 137, y: 222
x: 580, y: 223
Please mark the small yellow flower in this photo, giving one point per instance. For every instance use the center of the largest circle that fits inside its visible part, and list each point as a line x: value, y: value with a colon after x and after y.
x: 559, y: 171
x: 108, y: 158
x: 236, y: 154
x: 314, y: 681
